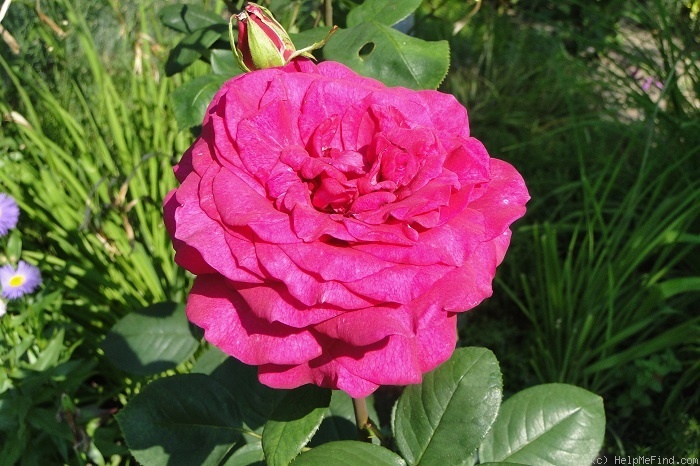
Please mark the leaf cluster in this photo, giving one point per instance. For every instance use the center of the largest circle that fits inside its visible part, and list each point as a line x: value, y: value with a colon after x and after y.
x: 369, y: 43
x: 220, y: 415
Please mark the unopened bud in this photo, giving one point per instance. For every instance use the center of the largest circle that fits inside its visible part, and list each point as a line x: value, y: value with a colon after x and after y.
x: 263, y: 42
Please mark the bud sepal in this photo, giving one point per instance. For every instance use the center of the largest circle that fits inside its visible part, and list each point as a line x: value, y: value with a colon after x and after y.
x: 262, y: 41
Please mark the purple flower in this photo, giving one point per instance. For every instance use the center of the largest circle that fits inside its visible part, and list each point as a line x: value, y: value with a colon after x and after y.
x: 20, y: 281
x: 9, y: 214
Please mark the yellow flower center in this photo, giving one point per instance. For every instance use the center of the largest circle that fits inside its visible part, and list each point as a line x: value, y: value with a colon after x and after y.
x: 16, y: 281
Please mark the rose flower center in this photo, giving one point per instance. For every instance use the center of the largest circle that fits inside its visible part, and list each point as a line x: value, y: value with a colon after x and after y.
x: 347, y: 181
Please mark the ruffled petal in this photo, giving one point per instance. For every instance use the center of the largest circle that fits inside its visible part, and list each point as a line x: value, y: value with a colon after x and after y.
x: 229, y: 324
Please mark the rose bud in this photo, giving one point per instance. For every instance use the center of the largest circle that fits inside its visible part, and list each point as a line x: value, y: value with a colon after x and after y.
x: 263, y: 42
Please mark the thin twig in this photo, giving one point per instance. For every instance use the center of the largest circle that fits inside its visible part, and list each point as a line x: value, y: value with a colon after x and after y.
x: 329, y: 13
x: 3, y: 9
x: 49, y: 22
x: 9, y: 40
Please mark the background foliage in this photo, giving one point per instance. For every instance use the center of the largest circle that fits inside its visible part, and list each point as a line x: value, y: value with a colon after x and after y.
x: 596, y: 103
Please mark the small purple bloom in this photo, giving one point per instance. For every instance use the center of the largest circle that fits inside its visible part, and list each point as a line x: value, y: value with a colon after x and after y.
x: 9, y: 214
x: 20, y: 281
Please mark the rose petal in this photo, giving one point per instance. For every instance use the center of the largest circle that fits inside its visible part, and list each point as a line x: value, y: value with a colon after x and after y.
x: 394, y: 361
x: 331, y: 262
x: 185, y: 255
x: 504, y: 199
x: 196, y: 229
x: 352, y: 327
x: 462, y: 288
x: 240, y: 205
x: 446, y: 113
x: 437, y: 342
x: 469, y: 161
x: 399, y: 284
x: 303, y: 286
x: 229, y: 324
x: 328, y: 374
x: 274, y: 303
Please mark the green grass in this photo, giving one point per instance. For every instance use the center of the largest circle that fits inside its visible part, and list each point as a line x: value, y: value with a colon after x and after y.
x: 95, y: 165
x: 601, y: 275
x: 89, y: 159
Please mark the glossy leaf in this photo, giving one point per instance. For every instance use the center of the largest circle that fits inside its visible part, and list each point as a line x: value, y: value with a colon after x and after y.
x: 378, y: 51
x: 349, y: 453
x: 183, y: 419
x: 151, y: 340
x: 188, y: 18
x: 190, y: 101
x: 193, y: 46
x: 223, y: 63
x: 247, y: 455
x: 306, y: 38
x: 444, y: 419
x: 256, y: 402
x: 552, y: 424
x: 388, y: 13
x: 292, y: 424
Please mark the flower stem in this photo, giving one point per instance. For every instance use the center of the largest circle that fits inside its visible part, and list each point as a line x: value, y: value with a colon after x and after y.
x: 328, y: 13
x: 366, y: 429
x: 361, y: 414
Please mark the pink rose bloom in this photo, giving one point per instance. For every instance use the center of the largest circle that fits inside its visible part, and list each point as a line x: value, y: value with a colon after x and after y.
x: 337, y: 226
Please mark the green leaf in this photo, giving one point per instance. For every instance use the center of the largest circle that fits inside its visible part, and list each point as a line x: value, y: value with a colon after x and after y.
x: 47, y: 421
x: 667, y: 339
x: 189, y: 18
x: 293, y: 423
x: 183, y: 419
x: 12, y: 448
x: 223, y: 63
x: 388, y: 13
x: 192, y: 47
x: 309, y: 36
x: 677, y: 286
x: 256, y: 402
x: 13, y: 249
x: 552, y: 424
x: 339, y: 420
x: 349, y: 453
x: 190, y: 101
x: 50, y: 355
x: 247, y: 455
x: 381, y: 52
x: 444, y: 419
x: 151, y: 340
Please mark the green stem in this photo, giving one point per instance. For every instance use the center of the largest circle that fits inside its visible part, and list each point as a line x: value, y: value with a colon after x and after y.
x: 366, y: 429
x: 361, y: 414
x: 329, y: 13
